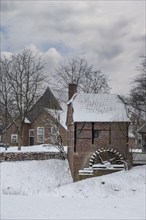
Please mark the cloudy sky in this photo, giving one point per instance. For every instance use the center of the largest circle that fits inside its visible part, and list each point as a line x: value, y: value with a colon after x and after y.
x: 108, y: 34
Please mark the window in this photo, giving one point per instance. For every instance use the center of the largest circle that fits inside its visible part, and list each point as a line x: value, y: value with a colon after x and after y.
x: 53, y: 131
x: 144, y: 142
x: 139, y: 141
x: 14, y: 138
x: 96, y: 133
x: 31, y: 132
x: 40, y: 134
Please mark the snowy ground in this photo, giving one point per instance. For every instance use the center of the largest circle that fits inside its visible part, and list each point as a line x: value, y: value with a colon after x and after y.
x: 44, y: 190
x: 34, y: 148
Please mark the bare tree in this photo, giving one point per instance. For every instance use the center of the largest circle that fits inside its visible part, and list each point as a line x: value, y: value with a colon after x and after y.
x: 25, y: 74
x: 95, y: 82
x: 138, y: 92
x: 137, y: 100
x: 78, y: 71
x: 52, y: 127
x: 6, y: 98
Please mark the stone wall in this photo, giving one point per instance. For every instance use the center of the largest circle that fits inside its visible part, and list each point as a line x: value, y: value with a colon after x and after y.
x: 11, y: 156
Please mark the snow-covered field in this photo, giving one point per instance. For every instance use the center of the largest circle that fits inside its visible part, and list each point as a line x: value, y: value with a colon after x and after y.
x: 44, y: 190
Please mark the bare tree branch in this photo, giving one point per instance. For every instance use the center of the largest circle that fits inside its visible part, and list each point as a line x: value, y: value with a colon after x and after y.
x: 78, y: 71
x: 21, y: 77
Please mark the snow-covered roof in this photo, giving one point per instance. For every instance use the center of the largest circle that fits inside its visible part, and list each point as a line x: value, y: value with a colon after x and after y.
x: 98, y: 108
x: 59, y: 114
x: 26, y: 121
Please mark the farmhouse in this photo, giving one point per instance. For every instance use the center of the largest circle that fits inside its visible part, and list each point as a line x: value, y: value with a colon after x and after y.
x: 94, y: 122
x: 40, y: 124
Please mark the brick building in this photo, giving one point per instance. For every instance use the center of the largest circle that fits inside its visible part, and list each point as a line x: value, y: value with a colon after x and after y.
x: 94, y: 121
x: 40, y: 123
x: 142, y: 132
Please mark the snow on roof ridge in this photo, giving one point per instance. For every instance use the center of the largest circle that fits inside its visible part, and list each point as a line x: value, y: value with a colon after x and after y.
x: 72, y: 99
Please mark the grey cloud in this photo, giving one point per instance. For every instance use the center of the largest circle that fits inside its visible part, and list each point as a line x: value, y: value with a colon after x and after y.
x: 105, y: 33
x: 7, y: 6
x: 139, y: 37
x: 110, y: 52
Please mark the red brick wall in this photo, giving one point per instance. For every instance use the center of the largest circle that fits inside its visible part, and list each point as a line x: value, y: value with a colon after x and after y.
x: 38, y: 122
x: 6, y: 136
x: 26, y: 134
x: 114, y: 135
x: 41, y: 121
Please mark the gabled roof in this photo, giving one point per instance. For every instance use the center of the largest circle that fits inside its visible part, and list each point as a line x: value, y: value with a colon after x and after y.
x: 47, y: 100
x: 98, y: 108
x: 142, y: 129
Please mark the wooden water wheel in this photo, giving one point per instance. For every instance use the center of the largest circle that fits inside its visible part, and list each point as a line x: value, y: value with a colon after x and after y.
x: 107, y: 157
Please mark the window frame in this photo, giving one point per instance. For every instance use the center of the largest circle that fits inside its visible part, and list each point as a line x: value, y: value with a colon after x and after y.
x: 96, y: 133
x: 30, y: 130
x: 40, y: 140
x: 12, y: 138
x: 54, y: 131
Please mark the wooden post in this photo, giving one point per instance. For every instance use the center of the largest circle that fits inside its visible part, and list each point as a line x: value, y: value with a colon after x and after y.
x: 92, y: 132
x: 75, y: 136
x: 109, y: 133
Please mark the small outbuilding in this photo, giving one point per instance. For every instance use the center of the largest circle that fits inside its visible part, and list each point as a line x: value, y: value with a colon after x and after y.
x: 95, y: 121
